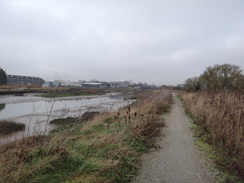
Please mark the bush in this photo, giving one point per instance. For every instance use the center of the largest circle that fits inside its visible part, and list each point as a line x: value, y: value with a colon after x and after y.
x: 219, y: 77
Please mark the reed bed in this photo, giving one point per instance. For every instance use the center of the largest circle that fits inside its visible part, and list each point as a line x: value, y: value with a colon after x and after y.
x: 221, y: 114
x: 8, y: 127
x: 105, y: 149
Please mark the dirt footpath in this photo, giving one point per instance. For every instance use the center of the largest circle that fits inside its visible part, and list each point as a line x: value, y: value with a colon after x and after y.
x: 179, y: 160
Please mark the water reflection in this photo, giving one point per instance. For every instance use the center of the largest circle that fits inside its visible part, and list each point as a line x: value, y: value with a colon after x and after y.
x: 36, y: 112
x: 2, y: 106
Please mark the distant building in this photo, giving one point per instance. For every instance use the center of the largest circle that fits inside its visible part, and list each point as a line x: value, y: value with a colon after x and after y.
x: 60, y: 83
x: 119, y: 84
x: 97, y: 84
x: 24, y: 80
x: 48, y: 84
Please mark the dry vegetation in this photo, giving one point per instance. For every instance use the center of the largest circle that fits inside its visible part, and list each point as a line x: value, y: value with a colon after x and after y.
x: 221, y: 114
x: 105, y: 149
x: 7, y: 127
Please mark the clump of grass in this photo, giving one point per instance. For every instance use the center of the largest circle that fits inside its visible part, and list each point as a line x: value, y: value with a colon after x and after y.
x: 221, y: 115
x: 105, y: 149
x: 66, y: 92
x: 70, y: 120
x: 8, y: 127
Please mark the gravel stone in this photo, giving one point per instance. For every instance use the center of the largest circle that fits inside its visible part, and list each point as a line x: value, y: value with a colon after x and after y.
x: 179, y: 160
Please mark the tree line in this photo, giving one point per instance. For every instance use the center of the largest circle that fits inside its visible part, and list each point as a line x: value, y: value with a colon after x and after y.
x: 3, y: 77
x: 217, y: 77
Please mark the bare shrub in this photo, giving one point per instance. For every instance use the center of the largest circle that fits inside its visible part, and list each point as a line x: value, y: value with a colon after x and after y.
x: 222, y: 116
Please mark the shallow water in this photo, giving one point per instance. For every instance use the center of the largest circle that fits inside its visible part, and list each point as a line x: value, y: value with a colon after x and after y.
x: 36, y: 112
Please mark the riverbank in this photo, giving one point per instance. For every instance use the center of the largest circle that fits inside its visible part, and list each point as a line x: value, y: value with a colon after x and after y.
x: 105, y: 149
x: 55, y: 92
x: 52, y: 91
x: 36, y: 112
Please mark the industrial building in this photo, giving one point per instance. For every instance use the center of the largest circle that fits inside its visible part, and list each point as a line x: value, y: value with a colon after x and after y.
x: 24, y: 80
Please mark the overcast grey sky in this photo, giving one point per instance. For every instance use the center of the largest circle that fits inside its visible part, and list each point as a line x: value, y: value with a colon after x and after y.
x: 154, y: 41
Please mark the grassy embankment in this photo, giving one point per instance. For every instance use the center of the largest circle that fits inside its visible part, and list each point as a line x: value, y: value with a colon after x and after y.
x: 86, y: 91
x: 220, y: 116
x: 19, y: 90
x: 51, y: 91
x: 105, y: 149
x: 8, y: 127
x: 65, y: 92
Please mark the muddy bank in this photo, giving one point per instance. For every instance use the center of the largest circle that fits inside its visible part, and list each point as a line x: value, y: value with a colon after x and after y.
x: 36, y: 112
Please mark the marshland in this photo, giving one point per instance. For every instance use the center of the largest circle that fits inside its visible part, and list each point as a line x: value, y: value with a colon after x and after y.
x: 34, y: 112
x: 86, y: 135
x: 106, y: 148
x: 121, y: 91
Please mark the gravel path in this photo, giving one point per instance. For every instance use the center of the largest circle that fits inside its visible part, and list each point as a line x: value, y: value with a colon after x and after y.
x: 179, y: 160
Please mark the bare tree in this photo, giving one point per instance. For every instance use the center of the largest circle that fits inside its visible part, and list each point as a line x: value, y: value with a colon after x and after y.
x: 221, y: 77
x: 3, y: 77
x: 193, y: 84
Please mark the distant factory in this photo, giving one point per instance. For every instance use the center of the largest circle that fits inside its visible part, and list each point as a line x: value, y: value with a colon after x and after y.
x: 24, y: 80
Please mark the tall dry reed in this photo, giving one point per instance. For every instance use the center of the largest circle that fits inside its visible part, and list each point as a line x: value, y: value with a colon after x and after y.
x: 221, y: 114
x: 104, y: 149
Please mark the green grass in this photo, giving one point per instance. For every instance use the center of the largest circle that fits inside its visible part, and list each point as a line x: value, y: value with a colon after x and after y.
x: 105, y: 149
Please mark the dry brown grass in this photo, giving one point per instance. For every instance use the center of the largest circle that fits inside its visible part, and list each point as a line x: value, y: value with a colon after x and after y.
x: 221, y: 114
x: 105, y: 149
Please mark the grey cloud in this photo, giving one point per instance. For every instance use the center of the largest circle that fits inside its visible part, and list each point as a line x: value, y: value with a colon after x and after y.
x: 164, y: 42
